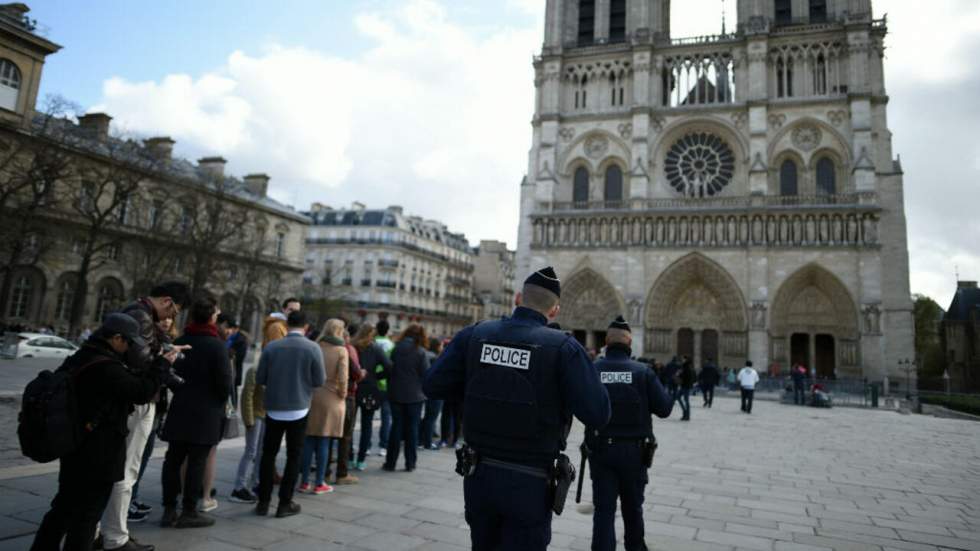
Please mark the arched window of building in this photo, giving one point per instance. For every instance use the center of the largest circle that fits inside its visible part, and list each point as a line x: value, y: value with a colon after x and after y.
x: 784, y: 12
x: 66, y: 295
x: 586, y: 22
x: 21, y: 297
x: 788, y: 178
x: 280, y: 244
x: 784, y: 77
x: 9, y: 84
x: 108, y: 298
x: 617, y: 21
x: 580, y: 188
x: 614, y: 184
x: 818, y: 11
x: 826, y: 177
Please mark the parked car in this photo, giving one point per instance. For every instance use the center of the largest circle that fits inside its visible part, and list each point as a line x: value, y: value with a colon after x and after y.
x: 36, y: 345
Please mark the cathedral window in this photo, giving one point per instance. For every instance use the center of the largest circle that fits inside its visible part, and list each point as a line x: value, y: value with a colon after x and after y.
x: 818, y: 11
x: 788, y: 178
x: 784, y: 78
x: 826, y: 177
x: 820, y: 76
x: 699, y: 79
x: 617, y: 21
x: 699, y: 165
x: 614, y: 185
x: 580, y: 187
x: 586, y: 22
x: 784, y: 12
x: 9, y: 84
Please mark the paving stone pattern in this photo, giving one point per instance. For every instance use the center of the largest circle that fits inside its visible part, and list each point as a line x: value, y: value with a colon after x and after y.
x: 785, y: 478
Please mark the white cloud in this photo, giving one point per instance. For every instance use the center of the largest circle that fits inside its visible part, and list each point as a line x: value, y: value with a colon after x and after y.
x: 430, y: 116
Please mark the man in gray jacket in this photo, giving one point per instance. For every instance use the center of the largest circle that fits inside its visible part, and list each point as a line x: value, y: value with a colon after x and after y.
x: 289, y: 368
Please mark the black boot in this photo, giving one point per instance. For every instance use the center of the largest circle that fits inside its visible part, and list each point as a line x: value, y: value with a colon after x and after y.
x: 287, y: 509
x: 192, y: 519
x: 169, y: 519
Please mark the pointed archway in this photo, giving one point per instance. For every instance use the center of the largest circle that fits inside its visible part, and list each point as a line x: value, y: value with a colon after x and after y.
x: 815, y: 323
x: 696, y: 300
x: 588, y: 303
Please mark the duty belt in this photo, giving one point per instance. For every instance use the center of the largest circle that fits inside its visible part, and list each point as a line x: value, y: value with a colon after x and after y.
x: 516, y: 467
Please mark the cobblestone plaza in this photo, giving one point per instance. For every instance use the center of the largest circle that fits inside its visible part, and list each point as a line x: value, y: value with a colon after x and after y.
x: 784, y: 478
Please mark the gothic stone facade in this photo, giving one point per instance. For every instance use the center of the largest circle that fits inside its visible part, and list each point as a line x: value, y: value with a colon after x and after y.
x: 735, y: 196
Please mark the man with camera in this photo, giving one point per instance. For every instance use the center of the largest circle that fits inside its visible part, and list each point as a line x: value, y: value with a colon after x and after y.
x: 164, y: 301
x: 106, y: 390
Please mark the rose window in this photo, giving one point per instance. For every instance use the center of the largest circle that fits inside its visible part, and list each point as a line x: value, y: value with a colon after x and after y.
x: 699, y: 165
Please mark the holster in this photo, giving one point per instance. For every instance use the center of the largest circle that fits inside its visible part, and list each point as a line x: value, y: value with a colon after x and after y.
x: 562, y: 477
x: 466, y: 461
x: 648, y: 451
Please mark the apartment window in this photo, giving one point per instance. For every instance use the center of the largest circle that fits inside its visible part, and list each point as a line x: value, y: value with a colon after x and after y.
x: 9, y: 84
x: 87, y: 202
x: 280, y: 244
x: 124, y: 211
x: 112, y: 252
x: 156, y: 212
x: 66, y: 295
x: 20, y: 298
x: 109, y: 298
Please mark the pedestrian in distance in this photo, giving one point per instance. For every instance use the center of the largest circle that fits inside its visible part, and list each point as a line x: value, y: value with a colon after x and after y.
x: 106, y: 389
x: 275, y: 326
x: 433, y: 407
x: 620, y: 453
x: 686, y: 378
x: 355, y: 374
x: 521, y: 382
x: 376, y: 365
x: 708, y: 379
x: 671, y: 377
x: 798, y: 374
x: 195, y: 422
x: 388, y: 346
x: 327, y: 410
x: 409, y: 363
x: 252, y: 411
x: 747, y: 379
x: 290, y: 368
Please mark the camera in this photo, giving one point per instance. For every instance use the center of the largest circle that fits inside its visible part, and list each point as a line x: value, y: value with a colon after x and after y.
x: 167, y: 347
x: 170, y: 377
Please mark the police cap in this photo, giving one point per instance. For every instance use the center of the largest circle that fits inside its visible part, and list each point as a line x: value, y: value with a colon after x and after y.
x: 546, y: 278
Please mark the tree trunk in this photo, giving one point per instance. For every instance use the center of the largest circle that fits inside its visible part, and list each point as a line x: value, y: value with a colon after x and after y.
x: 81, y: 288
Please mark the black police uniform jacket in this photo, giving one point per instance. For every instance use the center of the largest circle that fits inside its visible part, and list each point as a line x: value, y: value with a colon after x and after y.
x: 634, y: 391
x: 106, y: 391
x: 519, y: 382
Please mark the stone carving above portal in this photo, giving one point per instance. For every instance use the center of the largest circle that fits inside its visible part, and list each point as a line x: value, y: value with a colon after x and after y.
x: 838, y: 117
x: 567, y: 133
x: 596, y: 146
x: 758, y: 316
x: 626, y: 130
x: 776, y: 120
x: 807, y: 137
x: 588, y: 302
x: 872, y: 319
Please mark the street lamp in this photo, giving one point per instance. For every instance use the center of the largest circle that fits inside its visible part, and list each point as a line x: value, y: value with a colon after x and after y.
x: 908, y: 376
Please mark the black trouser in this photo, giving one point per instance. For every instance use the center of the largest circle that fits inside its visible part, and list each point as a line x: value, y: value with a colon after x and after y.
x: 618, y: 473
x: 197, y: 459
x: 451, y: 422
x: 709, y: 394
x: 350, y: 416
x: 799, y: 394
x: 747, y: 394
x: 295, y: 432
x: 75, y: 511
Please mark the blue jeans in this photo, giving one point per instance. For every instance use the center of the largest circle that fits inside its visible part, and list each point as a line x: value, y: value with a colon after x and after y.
x: 314, y: 445
x: 405, y: 419
x: 248, y: 465
x: 684, y: 399
x: 432, y: 409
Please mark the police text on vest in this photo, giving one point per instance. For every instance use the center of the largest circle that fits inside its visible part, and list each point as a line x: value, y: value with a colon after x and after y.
x: 505, y: 356
x: 613, y: 377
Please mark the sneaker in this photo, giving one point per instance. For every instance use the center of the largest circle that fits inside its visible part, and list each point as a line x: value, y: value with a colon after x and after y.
x: 349, y: 479
x: 142, y: 507
x: 208, y: 504
x: 360, y: 465
x: 194, y: 519
x: 303, y: 488
x: 287, y: 509
x: 323, y: 489
x: 383, y: 452
x: 242, y: 495
x: 262, y: 508
x: 132, y: 545
x: 135, y: 516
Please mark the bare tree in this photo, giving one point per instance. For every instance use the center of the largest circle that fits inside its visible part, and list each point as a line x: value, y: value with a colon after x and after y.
x: 30, y: 166
x: 209, y: 227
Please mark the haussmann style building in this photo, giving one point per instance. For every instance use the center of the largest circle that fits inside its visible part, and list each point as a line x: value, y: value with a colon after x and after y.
x: 735, y: 196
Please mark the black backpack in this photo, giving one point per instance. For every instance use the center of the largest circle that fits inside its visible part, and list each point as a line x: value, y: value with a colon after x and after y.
x: 48, y: 426
x: 368, y: 396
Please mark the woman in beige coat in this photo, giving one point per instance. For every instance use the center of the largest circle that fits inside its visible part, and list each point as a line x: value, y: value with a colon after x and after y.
x: 326, y: 418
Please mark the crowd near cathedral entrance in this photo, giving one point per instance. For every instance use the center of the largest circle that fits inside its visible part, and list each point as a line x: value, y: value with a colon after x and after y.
x: 734, y: 196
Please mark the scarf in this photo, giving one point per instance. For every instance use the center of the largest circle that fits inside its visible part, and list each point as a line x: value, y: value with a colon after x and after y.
x: 201, y: 329
x: 330, y: 339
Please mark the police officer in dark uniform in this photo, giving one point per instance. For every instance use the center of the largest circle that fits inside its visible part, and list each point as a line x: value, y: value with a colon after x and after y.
x: 621, y: 452
x: 520, y: 381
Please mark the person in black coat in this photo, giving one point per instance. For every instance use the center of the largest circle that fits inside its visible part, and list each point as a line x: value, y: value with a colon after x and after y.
x: 196, y: 418
x: 409, y: 363
x: 686, y: 383
x: 708, y: 379
x: 106, y: 391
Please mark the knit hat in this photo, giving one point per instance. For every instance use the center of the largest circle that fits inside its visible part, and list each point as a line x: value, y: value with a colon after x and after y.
x: 620, y: 323
x: 546, y: 278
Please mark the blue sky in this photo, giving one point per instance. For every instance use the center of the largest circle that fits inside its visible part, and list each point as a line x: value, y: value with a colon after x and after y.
x: 427, y: 103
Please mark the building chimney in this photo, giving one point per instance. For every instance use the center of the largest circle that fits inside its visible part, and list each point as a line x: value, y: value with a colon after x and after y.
x: 95, y: 125
x: 160, y: 147
x: 357, y: 206
x: 213, y: 166
x: 257, y: 184
x: 966, y: 284
x: 395, y: 208
x: 319, y: 207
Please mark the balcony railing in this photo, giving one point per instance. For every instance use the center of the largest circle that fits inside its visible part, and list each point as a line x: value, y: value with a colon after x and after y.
x: 383, y: 263
x: 868, y: 198
x: 386, y: 284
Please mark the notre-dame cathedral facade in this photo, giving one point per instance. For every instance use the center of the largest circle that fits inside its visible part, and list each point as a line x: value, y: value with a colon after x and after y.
x: 734, y: 196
